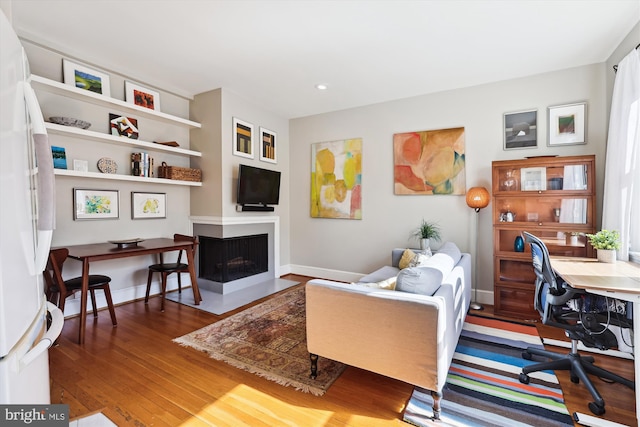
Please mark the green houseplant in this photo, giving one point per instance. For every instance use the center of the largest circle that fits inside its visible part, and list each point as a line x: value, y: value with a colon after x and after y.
x: 606, y: 242
x: 427, y: 231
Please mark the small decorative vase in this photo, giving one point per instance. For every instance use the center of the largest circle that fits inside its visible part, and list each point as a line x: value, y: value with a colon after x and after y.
x: 424, y: 244
x: 606, y: 255
x: 518, y: 244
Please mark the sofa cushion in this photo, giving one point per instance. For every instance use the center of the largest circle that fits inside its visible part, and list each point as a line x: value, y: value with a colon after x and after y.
x: 413, y: 259
x: 419, y: 280
x: 450, y: 249
x: 389, y: 283
x: 380, y: 274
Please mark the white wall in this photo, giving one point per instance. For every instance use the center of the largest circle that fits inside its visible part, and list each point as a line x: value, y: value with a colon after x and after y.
x: 339, y: 248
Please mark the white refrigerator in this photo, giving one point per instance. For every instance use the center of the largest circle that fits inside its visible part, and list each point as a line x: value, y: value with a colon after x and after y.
x: 28, y: 323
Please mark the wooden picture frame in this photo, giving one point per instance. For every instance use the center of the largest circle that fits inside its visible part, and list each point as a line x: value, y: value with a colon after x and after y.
x: 242, y: 138
x: 520, y: 129
x: 141, y: 96
x: 148, y: 205
x: 83, y: 77
x: 268, y: 147
x: 567, y: 124
x: 95, y: 204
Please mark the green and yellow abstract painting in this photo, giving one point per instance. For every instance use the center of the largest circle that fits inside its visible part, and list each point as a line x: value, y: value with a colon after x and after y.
x: 336, y: 179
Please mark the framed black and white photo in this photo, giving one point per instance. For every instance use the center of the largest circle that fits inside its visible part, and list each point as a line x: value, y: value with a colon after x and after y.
x: 268, y: 145
x: 520, y: 129
x: 242, y: 138
x: 533, y: 179
x: 568, y: 124
x: 86, y: 78
x: 148, y: 205
x: 95, y: 204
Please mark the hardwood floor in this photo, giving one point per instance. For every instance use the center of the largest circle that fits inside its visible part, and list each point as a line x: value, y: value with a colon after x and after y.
x: 137, y: 376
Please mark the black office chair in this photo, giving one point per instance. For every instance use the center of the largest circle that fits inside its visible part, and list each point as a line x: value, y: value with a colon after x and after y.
x: 552, y: 296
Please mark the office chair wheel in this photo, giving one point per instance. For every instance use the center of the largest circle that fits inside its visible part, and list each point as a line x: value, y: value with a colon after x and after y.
x: 524, y: 378
x: 596, y: 409
x: 526, y: 355
x: 575, y: 379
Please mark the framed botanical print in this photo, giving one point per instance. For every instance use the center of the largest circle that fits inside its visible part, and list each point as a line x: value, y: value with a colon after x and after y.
x: 148, y: 205
x: 95, y: 204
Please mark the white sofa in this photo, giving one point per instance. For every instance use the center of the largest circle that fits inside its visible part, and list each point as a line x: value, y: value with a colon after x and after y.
x: 403, y: 335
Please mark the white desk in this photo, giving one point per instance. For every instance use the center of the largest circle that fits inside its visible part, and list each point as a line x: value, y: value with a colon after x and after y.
x: 618, y: 280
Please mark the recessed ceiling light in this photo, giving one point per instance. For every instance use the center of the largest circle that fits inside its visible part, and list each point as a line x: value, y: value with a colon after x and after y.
x: 321, y: 86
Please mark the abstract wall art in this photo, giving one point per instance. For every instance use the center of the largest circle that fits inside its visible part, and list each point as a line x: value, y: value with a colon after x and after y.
x: 429, y: 162
x: 336, y: 179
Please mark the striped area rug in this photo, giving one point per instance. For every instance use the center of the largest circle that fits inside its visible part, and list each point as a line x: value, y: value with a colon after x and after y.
x: 482, y: 386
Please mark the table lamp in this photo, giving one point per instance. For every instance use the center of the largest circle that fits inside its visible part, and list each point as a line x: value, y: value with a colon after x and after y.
x: 477, y: 198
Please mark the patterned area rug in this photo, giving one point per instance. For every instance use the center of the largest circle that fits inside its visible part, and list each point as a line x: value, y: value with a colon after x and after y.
x: 269, y: 340
x: 482, y: 386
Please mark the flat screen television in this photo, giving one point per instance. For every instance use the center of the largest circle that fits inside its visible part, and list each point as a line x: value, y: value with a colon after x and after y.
x: 258, y: 186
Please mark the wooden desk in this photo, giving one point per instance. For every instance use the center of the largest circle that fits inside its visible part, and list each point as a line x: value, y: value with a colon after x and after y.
x: 618, y: 280
x: 104, y: 251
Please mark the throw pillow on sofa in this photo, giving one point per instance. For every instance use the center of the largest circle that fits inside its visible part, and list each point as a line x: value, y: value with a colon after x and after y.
x: 413, y: 259
x: 419, y: 280
x: 389, y: 284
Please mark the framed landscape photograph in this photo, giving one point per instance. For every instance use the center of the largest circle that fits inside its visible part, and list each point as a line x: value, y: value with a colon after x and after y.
x: 95, y: 204
x: 242, y: 138
x: 86, y: 78
x: 568, y: 124
x: 520, y: 129
x: 148, y: 205
x: 141, y: 96
x: 268, y: 145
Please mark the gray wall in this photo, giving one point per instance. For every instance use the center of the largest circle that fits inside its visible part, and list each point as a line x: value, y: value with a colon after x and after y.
x: 338, y: 248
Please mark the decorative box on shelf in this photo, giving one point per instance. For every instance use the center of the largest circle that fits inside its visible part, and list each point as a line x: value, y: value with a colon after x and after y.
x: 178, y: 173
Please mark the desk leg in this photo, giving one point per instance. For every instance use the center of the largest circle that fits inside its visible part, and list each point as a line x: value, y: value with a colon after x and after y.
x: 194, y: 281
x: 636, y: 352
x: 83, y: 301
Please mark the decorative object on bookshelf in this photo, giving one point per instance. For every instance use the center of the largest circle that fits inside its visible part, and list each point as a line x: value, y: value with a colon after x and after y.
x: 95, y: 204
x: 148, y: 205
x: 69, y: 121
x: 80, y: 165
x: 107, y: 165
x: 168, y: 143
x: 534, y: 179
x: 178, y: 173
x: 141, y: 96
x: 123, y: 126
x: 268, y: 145
x: 567, y: 124
x: 59, y: 157
x: 518, y: 244
x: 520, y: 129
x: 86, y: 78
x: 141, y: 165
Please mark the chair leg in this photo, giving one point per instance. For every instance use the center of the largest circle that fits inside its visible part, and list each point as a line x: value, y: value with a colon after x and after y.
x: 146, y: 297
x: 61, y: 300
x: 112, y: 311
x: 179, y: 282
x: 164, y: 290
x: 93, y: 302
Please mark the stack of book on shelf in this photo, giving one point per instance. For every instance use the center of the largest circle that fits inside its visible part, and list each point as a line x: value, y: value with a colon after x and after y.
x: 141, y: 165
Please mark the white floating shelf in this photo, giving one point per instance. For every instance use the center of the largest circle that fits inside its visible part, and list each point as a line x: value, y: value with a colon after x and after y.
x: 53, y: 86
x: 119, y: 140
x: 119, y: 177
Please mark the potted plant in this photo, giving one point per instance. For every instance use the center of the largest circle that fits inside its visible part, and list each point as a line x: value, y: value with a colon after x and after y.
x: 426, y: 231
x: 606, y: 242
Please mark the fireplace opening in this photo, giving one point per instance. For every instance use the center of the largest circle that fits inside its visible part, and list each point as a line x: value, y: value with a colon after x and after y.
x: 233, y: 258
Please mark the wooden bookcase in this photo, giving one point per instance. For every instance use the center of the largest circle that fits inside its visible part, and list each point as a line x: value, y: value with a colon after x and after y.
x: 550, y: 197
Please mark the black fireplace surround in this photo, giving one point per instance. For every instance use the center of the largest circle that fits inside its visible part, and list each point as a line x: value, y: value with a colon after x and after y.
x: 233, y: 258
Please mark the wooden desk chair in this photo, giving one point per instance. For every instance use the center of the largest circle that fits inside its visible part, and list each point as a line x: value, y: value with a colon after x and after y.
x: 59, y: 289
x: 165, y: 269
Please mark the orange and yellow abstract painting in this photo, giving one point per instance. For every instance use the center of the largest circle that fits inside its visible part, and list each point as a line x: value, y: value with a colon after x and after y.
x: 336, y: 179
x: 429, y: 162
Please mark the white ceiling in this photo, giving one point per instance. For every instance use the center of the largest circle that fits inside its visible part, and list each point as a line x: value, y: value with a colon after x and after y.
x: 274, y: 52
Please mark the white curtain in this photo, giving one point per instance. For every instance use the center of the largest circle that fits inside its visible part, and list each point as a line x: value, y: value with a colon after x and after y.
x: 621, y: 203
